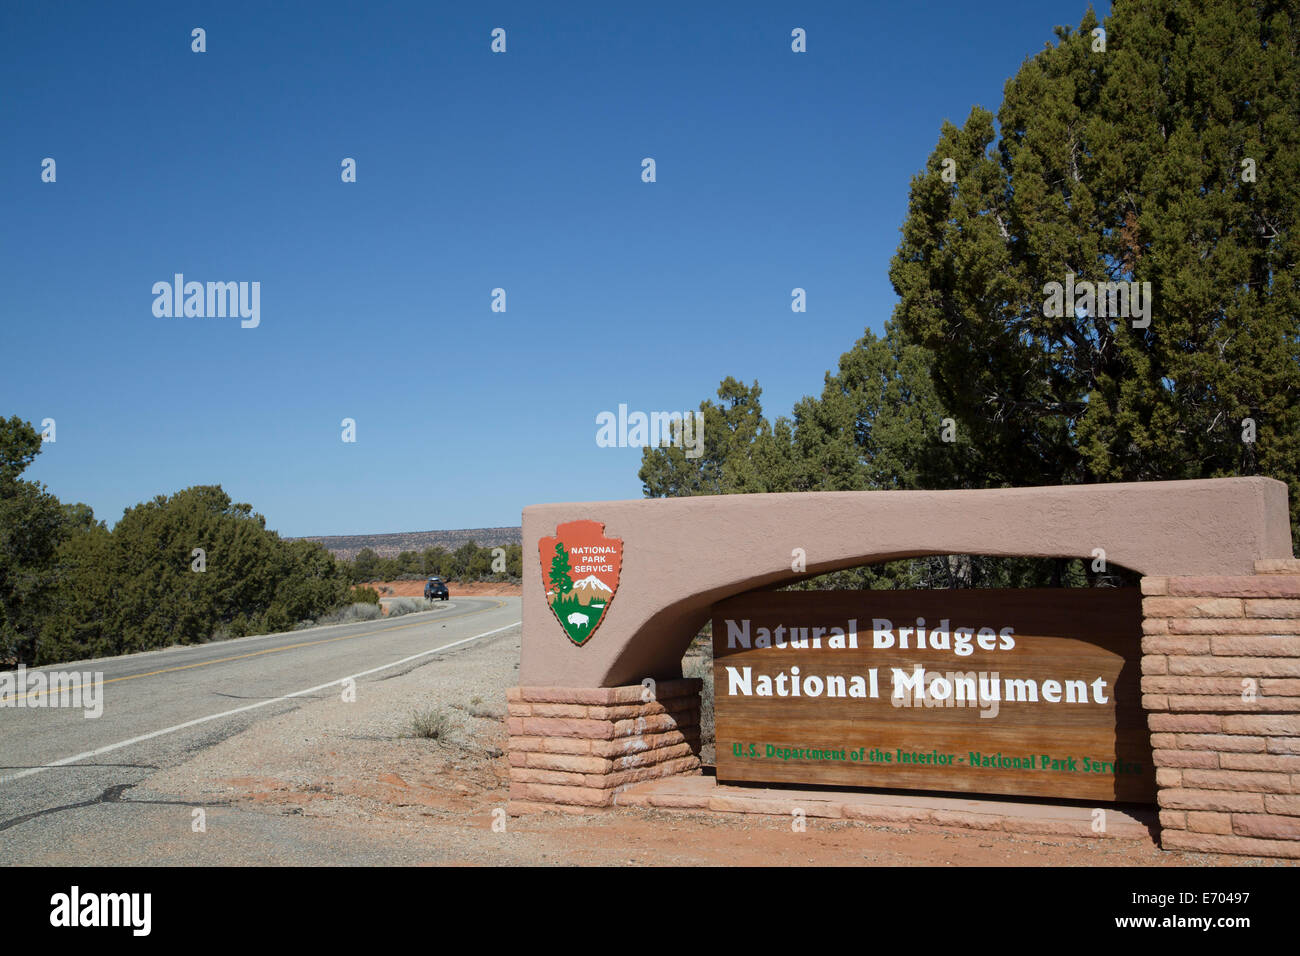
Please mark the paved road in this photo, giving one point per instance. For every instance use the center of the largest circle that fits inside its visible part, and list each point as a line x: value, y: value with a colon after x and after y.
x: 162, y: 706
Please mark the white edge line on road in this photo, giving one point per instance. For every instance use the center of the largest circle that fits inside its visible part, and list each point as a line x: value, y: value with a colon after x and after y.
x: 239, y: 710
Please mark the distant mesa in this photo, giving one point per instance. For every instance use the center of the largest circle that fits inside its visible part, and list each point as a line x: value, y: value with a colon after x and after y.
x: 391, y: 545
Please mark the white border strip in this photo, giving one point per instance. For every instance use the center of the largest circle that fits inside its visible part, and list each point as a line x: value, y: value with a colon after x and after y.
x: 239, y: 710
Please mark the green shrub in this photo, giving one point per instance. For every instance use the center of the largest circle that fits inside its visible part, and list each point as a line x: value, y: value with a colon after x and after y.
x: 363, y: 595
x: 180, y: 569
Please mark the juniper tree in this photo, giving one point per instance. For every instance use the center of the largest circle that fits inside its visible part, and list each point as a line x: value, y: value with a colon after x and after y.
x: 1166, y: 153
x: 741, y: 451
x: 31, y: 528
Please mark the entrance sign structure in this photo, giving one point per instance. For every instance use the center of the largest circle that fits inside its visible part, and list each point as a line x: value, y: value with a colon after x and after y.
x: 1220, y: 665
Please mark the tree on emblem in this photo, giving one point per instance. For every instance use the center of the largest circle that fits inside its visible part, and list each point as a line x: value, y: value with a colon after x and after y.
x: 560, y: 579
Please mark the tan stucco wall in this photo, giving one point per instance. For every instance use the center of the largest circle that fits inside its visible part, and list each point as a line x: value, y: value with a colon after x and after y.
x: 680, y: 555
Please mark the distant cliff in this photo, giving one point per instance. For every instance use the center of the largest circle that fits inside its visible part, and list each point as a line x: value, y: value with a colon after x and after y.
x: 346, y: 546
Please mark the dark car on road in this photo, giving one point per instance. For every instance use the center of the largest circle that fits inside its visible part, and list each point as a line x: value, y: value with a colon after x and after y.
x: 435, y: 590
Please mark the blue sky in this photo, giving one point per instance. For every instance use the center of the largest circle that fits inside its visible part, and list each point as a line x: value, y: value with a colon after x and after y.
x: 475, y: 171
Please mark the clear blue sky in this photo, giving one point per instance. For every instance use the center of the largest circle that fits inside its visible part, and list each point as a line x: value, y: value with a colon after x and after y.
x: 474, y: 171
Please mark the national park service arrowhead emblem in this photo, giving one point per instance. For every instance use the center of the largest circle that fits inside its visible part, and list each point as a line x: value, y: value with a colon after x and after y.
x: 580, y: 573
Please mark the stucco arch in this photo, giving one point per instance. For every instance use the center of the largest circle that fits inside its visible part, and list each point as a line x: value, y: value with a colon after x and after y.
x: 681, y: 555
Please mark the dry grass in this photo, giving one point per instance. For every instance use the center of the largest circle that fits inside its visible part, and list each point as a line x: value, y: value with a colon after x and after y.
x: 407, y: 605
x: 433, y: 723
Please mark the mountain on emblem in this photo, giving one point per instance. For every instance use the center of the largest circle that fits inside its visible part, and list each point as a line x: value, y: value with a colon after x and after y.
x: 580, y: 569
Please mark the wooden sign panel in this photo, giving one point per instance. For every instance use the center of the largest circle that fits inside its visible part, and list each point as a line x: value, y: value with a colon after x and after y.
x: 1023, y: 691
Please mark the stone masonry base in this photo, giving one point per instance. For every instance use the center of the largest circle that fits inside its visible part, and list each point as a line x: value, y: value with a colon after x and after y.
x: 1221, y: 688
x: 892, y: 808
x: 574, y: 748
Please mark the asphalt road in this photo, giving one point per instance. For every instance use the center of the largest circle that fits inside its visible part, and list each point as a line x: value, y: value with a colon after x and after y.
x: 160, y: 707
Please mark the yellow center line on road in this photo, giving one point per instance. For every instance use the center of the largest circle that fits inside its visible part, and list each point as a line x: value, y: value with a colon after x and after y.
x: 287, y: 647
